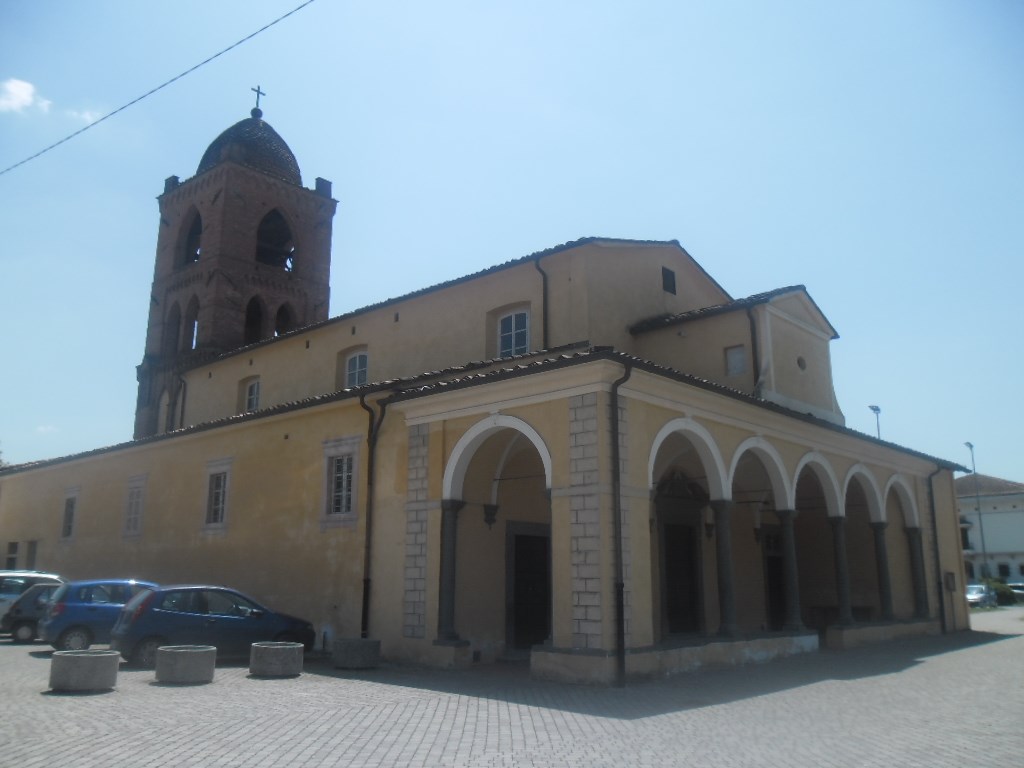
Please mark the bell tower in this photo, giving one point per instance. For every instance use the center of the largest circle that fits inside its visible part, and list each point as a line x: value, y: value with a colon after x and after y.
x: 243, y: 255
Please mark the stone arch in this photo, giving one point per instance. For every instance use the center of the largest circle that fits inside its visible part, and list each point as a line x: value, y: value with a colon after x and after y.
x: 464, y: 450
x: 774, y: 467
x: 900, y: 485
x: 822, y: 469
x: 872, y: 493
x: 707, y: 450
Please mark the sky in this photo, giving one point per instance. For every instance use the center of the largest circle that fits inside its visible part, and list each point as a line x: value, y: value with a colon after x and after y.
x: 871, y: 151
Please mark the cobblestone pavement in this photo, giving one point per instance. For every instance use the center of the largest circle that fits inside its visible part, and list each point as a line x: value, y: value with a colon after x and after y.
x: 955, y: 700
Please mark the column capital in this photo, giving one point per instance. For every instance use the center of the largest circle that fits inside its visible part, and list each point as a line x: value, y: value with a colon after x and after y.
x: 786, y: 515
x: 837, y: 521
x: 879, y: 525
x: 452, y: 505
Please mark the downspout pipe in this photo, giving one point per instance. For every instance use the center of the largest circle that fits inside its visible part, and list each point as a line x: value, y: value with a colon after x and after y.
x: 755, y: 352
x: 620, y: 580
x: 935, y: 547
x: 372, y: 433
x: 544, y: 303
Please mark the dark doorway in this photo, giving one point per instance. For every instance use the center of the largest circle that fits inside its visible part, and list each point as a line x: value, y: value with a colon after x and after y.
x: 682, y: 583
x: 774, y: 591
x: 528, y: 592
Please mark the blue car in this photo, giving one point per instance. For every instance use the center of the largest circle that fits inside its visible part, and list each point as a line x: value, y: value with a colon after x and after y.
x: 82, y: 613
x: 200, y: 615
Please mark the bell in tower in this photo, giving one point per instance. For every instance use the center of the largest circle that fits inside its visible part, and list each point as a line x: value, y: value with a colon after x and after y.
x: 243, y: 255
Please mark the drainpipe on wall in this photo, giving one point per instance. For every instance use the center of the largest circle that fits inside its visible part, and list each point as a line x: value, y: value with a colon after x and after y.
x: 755, y: 352
x: 935, y: 546
x: 544, y: 303
x: 620, y: 581
x: 182, y: 393
x: 372, y: 432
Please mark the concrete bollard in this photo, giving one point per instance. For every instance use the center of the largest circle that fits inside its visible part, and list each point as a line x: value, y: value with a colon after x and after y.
x: 356, y: 653
x: 84, y: 670
x: 185, y: 664
x: 276, y: 659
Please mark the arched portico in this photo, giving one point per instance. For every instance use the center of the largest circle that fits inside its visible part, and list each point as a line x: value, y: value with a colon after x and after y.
x: 495, y: 571
x: 767, y: 592
x: 686, y: 472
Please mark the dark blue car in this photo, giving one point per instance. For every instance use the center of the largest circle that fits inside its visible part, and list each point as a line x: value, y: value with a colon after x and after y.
x: 200, y: 615
x: 83, y: 612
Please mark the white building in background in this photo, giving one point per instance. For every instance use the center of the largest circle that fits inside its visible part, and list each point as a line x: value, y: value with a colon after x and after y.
x: 992, y: 526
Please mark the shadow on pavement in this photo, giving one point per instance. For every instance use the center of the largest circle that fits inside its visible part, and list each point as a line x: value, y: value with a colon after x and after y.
x: 511, y: 682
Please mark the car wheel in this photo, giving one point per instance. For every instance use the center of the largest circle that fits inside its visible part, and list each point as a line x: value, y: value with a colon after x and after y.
x: 74, y: 639
x: 25, y: 632
x: 144, y: 653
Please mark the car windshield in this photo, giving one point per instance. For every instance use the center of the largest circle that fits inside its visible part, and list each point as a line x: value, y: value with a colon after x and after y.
x: 974, y: 589
x: 13, y: 585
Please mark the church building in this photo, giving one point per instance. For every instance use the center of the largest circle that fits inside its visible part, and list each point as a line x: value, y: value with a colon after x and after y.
x: 592, y: 459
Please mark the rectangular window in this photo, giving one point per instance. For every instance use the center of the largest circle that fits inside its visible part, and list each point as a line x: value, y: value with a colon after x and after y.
x: 30, y: 556
x: 668, y: 280
x: 12, y: 555
x: 341, y: 470
x: 133, y: 506
x: 1004, y: 570
x: 341, y: 485
x: 735, y: 360
x: 252, y: 396
x: 355, y: 369
x: 216, y: 498
x: 514, y: 334
x: 67, y: 526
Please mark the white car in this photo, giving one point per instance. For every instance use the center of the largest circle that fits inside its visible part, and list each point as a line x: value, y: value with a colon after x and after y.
x: 980, y: 596
x: 13, y: 583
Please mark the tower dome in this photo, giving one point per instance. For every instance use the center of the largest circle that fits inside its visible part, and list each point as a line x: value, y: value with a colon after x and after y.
x: 254, y: 144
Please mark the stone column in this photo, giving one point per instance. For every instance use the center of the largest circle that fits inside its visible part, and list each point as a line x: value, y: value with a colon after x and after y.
x: 917, y: 571
x: 726, y: 584
x: 882, y: 564
x: 842, y: 569
x: 446, y: 601
x: 791, y: 579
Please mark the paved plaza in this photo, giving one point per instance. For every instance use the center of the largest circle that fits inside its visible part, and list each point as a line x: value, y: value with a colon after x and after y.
x: 955, y: 700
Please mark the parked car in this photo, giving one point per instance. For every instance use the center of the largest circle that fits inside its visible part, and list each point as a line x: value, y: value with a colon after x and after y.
x: 13, y: 583
x: 980, y: 596
x: 193, y: 614
x: 1017, y: 587
x: 82, y: 612
x: 22, y: 618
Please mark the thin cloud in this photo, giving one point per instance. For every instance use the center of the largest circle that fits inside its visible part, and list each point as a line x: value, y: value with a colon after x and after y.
x: 46, y: 429
x: 86, y: 115
x: 18, y: 95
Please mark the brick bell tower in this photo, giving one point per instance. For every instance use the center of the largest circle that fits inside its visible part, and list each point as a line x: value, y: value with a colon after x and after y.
x: 243, y: 254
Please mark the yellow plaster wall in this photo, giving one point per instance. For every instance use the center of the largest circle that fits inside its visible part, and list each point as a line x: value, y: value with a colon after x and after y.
x: 698, y: 348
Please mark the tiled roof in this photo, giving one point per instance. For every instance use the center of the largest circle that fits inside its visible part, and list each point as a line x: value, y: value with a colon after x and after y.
x: 987, y: 486
x: 254, y: 144
x: 662, y: 321
x: 490, y: 371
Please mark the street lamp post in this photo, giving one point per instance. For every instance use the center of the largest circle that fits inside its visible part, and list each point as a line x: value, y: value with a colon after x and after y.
x: 878, y: 425
x: 977, y: 506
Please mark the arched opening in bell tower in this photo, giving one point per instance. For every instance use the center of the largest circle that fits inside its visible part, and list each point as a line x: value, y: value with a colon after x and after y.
x: 275, y: 245
x: 192, y: 244
x: 254, y: 320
